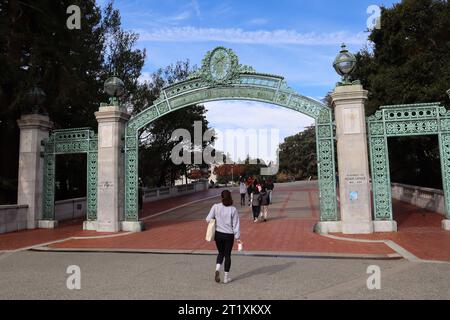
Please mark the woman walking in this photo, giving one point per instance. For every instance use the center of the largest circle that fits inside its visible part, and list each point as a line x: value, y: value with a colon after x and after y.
x: 242, y: 191
x: 255, y: 202
x: 249, y: 188
x: 265, y: 201
x: 227, y: 229
x: 270, y: 186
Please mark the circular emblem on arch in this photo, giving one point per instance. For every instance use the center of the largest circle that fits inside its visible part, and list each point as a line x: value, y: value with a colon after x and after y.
x: 221, y: 65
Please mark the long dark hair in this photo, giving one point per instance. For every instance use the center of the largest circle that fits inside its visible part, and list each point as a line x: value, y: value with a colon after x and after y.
x: 227, y: 200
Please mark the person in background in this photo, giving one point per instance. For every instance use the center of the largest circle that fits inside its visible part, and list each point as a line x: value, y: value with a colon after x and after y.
x: 242, y: 191
x: 227, y: 229
x: 255, y: 202
x: 270, y: 186
x: 265, y: 201
x: 249, y: 188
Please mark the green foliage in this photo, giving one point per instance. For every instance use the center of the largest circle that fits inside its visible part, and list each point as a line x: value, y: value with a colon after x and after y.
x: 409, y: 63
x: 298, y: 156
x: 37, y: 48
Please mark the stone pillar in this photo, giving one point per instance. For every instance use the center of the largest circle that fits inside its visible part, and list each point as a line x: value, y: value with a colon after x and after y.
x: 111, y: 176
x: 353, y: 160
x: 446, y: 224
x: 110, y: 196
x: 33, y: 129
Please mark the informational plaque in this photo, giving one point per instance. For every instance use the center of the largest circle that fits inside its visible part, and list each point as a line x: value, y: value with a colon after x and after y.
x: 352, y: 123
x: 107, y: 137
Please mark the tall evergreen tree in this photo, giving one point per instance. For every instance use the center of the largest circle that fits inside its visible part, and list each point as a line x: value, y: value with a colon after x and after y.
x: 409, y: 62
x: 37, y: 48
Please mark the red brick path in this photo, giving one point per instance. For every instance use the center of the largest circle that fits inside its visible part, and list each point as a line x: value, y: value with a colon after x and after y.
x: 419, y: 232
x: 289, y: 229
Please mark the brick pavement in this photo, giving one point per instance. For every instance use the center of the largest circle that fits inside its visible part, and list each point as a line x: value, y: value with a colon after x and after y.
x: 289, y: 229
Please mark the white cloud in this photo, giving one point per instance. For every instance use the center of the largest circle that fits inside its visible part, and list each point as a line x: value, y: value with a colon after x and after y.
x: 250, y: 115
x: 233, y: 35
x: 256, y: 115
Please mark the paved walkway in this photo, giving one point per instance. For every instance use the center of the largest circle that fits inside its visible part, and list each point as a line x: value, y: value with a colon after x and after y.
x: 288, y: 230
x: 419, y: 231
x: 42, y: 275
x: 178, y: 225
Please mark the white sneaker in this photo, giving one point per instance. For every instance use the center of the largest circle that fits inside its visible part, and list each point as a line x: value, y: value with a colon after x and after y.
x: 227, y: 279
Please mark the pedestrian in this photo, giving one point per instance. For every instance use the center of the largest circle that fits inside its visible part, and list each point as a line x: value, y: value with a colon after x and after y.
x: 270, y: 187
x: 242, y: 191
x: 227, y: 229
x: 265, y: 201
x: 249, y: 189
x: 255, y: 200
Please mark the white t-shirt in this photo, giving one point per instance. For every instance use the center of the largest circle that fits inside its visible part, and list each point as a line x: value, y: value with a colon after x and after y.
x: 227, y: 219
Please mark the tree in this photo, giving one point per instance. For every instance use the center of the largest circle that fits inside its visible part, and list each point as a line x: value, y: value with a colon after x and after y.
x: 229, y: 172
x: 409, y: 62
x: 36, y: 47
x: 298, y: 155
x: 156, y: 166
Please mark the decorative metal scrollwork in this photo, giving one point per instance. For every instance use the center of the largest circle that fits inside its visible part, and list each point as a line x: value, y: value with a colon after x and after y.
x: 404, y: 120
x: 70, y: 141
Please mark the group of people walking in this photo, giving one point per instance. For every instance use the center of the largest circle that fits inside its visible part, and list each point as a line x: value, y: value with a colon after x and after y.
x: 227, y: 223
x: 259, y: 196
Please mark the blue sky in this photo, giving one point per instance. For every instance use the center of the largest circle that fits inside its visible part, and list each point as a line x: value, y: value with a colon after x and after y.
x: 297, y: 39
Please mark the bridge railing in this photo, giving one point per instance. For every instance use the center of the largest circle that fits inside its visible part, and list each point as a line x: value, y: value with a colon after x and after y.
x: 154, y: 194
x: 426, y: 198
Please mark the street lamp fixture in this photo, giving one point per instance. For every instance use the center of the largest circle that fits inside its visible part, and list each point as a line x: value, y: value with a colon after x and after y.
x: 115, y: 88
x: 345, y: 64
x: 35, y: 98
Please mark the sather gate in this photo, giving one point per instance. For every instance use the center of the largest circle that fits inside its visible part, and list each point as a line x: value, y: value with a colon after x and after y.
x: 221, y: 77
x: 113, y: 152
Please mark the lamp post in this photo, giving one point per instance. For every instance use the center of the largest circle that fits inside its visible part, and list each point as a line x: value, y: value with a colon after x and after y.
x: 115, y: 88
x: 35, y: 97
x: 345, y: 64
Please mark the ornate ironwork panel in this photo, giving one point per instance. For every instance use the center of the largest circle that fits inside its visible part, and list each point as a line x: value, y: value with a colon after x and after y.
x: 69, y: 141
x: 404, y: 120
x: 223, y: 78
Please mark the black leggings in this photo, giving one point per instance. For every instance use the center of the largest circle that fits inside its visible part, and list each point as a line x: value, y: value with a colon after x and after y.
x: 224, y: 243
x: 256, y: 211
x: 243, y: 199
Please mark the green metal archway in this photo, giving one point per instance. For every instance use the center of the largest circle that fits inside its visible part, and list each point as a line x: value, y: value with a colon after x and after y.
x: 403, y: 121
x: 223, y: 78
